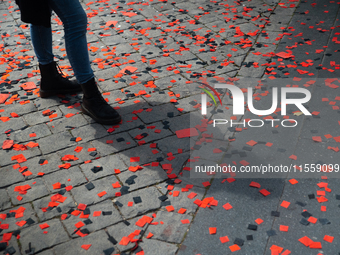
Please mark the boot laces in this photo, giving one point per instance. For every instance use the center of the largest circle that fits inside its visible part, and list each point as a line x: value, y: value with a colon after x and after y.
x: 60, y: 71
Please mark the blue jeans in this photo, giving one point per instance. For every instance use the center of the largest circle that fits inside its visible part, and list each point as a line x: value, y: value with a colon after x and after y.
x: 74, y: 19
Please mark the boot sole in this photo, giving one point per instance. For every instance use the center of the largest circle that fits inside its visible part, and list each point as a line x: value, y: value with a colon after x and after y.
x: 49, y: 93
x: 101, y: 121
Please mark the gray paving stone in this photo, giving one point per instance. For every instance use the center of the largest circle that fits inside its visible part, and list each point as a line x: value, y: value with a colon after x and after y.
x: 108, y: 163
x: 172, y: 144
x: 12, y: 219
x: 82, y: 156
x: 6, y: 155
x: 72, y: 176
x: 23, y: 135
x: 191, y: 65
x: 98, y: 240
x: 52, y: 163
x: 251, y: 71
x: 165, y: 71
x: 270, y: 38
x: 162, y: 7
x: 70, y: 109
x: 40, y: 241
x: 150, y: 201
x: 162, y: 187
x: 212, y: 57
x: 20, y: 109
x: 206, y: 151
x: 55, y: 142
x: 182, y: 200
x: 149, y: 11
x: 11, y: 42
x: 238, y: 60
x: 158, y: 113
x: 114, y: 97
x: 108, y: 85
x: 145, y: 50
x: 176, y: 162
x: 196, y: 179
x: 130, y: 106
x: 132, y: 92
x: 13, y: 244
x: 154, y: 247
x: 158, y: 98
x: 122, y: 229
x: 144, y: 152
x: 123, y: 49
x: 139, y: 77
x: 92, y: 38
x: 185, y: 121
x: 37, y: 190
x: 9, y: 176
x: 89, y: 132
x: 52, y: 212
x: 137, y: 64
x: 187, y: 90
x: 185, y: 55
x: 153, y: 33
x: 142, y: 178
x: 64, y: 124
x: 47, y: 252
x: 161, y: 61
x: 172, y: 230
x: 3, y: 137
x: 13, y: 123
x: 43, y: 103
x: 278, y: 21
x: 120, y: 142
x: 91, y: 197
x: 152, y: 132
x: 188, y: 104
x: 38, y: 117
x: 98, y: 222
x: 5, y: 201
x: 129, y: 122
x: 172, y: 80
x: 114, y: 40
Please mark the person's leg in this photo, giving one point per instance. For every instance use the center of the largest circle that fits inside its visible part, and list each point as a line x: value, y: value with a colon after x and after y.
x: 74, y: 20
x: 42, y: 43
x: 52, y: 81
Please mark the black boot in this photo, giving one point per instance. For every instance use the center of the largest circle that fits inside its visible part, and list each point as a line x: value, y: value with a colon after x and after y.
x: 53, y: 82
x: 95, y: 105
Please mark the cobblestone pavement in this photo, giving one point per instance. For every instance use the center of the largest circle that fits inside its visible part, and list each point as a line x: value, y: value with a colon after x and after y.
x: 71, y: 186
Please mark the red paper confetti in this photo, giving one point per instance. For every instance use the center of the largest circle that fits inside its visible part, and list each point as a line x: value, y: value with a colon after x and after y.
x: 86, y: 246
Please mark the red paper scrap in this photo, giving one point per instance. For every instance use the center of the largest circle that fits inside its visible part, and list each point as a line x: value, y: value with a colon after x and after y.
x: 86, y: 246
x: 28, y: 85
x: 188, y: 132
